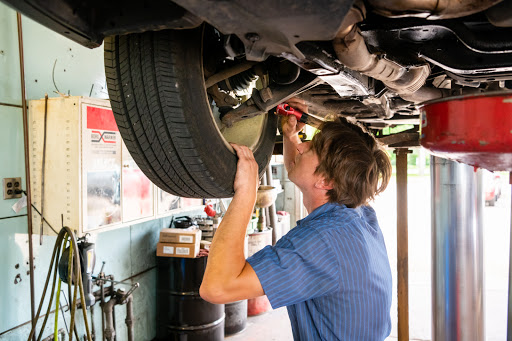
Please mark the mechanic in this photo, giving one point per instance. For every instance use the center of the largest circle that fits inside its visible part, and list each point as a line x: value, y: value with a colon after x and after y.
x: 331, y: 271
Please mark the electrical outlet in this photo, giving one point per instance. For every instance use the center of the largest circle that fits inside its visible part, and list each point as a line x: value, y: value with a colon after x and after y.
x: 12, y: 188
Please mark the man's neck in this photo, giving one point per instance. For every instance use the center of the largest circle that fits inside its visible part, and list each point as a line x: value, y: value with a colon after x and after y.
x: 313, y: 202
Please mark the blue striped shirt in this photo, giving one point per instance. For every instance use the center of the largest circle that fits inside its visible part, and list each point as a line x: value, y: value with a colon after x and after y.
x: 332, y: 273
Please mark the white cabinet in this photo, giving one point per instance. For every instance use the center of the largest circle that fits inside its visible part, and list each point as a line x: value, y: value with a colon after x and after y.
x: 90, y: 179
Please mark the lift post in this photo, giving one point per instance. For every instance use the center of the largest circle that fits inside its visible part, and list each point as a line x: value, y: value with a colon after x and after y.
x: 457, y: 265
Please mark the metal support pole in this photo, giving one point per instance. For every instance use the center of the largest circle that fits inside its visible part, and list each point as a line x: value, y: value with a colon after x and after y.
x: 264, y: 211
x: 457, y: 268
x: 27, y: 170
x: 272, y: 215
x: 402, y: 244
x: 509, y: 319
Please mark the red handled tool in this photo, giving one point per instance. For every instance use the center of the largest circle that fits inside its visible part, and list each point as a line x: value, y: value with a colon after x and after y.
x: 209, y: 210
x: 286, y: 110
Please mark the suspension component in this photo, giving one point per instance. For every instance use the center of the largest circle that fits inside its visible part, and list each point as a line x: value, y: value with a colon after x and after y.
x: 238, y: 82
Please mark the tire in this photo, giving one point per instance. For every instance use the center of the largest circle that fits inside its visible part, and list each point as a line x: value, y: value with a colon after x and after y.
x: 156, y: 87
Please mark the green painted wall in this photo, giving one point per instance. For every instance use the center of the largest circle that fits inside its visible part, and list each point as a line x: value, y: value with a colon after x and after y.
x: 53, y: 62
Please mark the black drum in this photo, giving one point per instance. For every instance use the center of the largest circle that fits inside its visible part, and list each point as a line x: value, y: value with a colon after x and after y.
x: 181, y: 313
x: 236, y: 317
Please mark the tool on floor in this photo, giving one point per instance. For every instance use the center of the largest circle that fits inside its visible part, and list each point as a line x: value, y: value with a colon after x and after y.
x: 285, y: 109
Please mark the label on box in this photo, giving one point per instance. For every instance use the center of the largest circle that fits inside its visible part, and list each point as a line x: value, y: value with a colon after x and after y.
x: 182, y: 251
x: 186, y: 239
x: 169, y: 249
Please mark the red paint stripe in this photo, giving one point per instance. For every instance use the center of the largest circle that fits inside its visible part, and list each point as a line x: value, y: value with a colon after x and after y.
x: 100, y: 118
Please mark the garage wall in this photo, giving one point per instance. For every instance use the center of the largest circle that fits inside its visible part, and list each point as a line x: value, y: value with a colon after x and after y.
x: 54, y: 63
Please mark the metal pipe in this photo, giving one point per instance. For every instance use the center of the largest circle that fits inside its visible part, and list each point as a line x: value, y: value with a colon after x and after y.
x: 272, y: 215
x: 108, y: 308
x: 351, y: 49
x: 113, y: 308
x: 431, y: 9
x: 457, y: 269
x: 265, y: 212
x: 509, y: 318
x: 102, y: 305
x: 93, y: 328
x: 129, y: 317
x: 27, y: 170
x: 402, y: 244
x: 426, y: 94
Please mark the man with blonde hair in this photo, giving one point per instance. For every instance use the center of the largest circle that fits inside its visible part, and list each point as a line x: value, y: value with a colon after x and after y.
x: 331, y: 271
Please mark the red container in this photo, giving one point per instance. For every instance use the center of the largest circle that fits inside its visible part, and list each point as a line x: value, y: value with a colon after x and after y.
x: 257, y: 241
x: 475, y: 130
x: 258, y: 305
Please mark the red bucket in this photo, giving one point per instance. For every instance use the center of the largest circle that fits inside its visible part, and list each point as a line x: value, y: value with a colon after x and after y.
x: 258, y: 305
x: 476, y: 130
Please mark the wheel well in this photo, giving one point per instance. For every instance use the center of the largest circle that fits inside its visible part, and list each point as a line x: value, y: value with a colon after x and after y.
x: 89, y: 22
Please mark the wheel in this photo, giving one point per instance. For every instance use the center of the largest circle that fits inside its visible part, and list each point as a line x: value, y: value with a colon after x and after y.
x: 157, y: 91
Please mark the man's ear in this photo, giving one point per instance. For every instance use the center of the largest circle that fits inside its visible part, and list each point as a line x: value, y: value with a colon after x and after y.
x: 323, y: 184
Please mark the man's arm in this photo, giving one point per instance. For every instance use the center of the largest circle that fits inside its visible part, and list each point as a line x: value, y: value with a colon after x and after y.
x: 228, y: 277
x: 291, y: 129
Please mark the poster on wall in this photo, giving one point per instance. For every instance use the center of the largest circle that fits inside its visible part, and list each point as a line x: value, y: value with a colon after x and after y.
x: 101, y: 162
x: 191, y: 202
x: 137, y: 190
x: 167, y: 202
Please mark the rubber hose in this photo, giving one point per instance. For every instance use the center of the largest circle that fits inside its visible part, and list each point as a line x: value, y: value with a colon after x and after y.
x: 56, y: 332
x: 59, y: 240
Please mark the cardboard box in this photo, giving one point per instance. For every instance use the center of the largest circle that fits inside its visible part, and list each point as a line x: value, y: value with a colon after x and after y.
x: 184, y: 236
x: 205, y: 244
x: 177, y: 250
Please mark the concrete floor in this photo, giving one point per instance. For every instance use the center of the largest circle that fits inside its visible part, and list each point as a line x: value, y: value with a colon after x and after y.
x: 271, y: 326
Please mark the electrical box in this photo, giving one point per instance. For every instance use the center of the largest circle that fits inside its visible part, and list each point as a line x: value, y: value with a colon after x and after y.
x: 90, y: 181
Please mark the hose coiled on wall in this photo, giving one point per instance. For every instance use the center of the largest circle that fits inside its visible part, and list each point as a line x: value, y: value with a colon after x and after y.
x: 74, y: 265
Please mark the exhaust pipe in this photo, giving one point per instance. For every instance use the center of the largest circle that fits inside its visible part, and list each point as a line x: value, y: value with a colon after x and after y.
x: 430, y: 9
x: 351, y: 50
x: 407, y: 82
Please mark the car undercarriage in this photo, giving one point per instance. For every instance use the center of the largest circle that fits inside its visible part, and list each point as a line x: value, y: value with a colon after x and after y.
x: 187, y: 74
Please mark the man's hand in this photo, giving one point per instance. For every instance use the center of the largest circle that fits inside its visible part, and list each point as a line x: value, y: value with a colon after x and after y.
x: 291, y: 129
x: 291, y: 126
x: 246, y: 179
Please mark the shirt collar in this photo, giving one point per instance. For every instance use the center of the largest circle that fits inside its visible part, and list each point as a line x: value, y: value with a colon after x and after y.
x: 320, y: 210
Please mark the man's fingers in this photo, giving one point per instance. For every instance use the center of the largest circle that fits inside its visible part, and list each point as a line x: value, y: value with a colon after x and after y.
x: 298, y: 103
x: 297, y: 100
x: 235, y: 147
x: 292, y: 120
x: 242, y: 151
